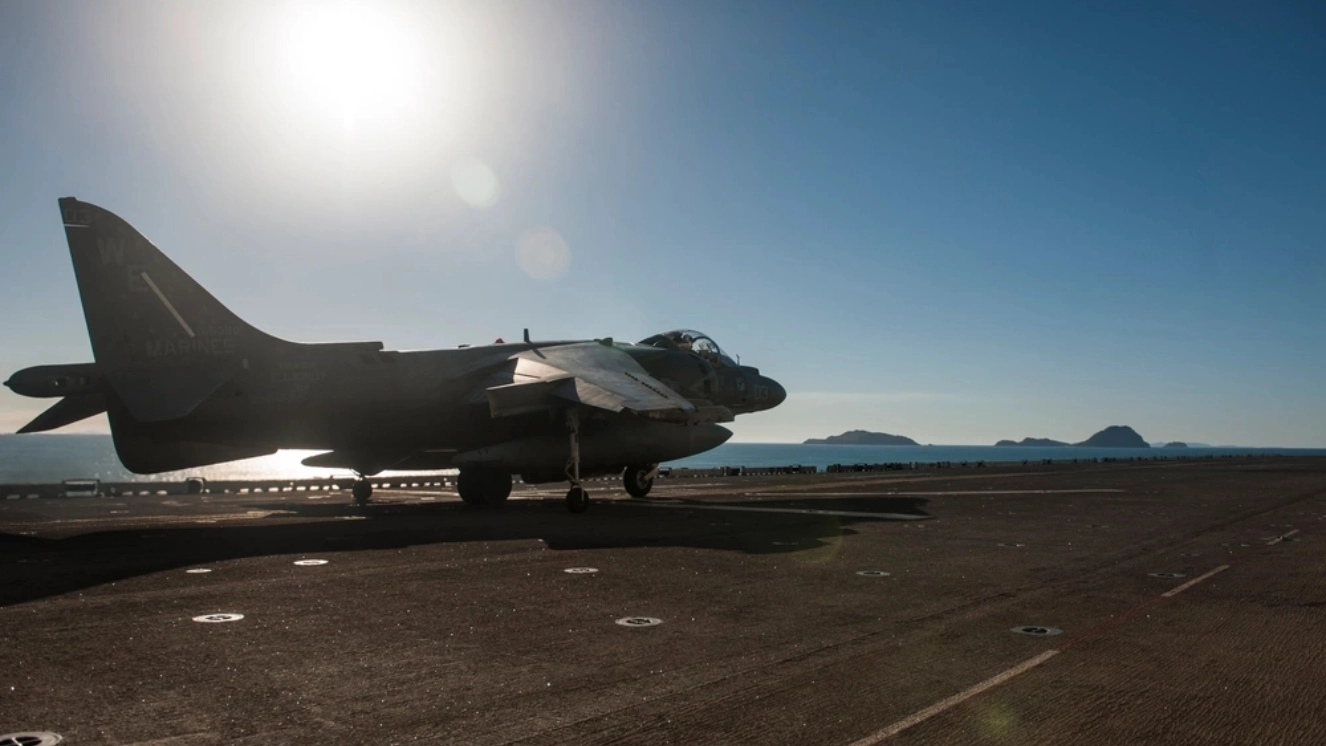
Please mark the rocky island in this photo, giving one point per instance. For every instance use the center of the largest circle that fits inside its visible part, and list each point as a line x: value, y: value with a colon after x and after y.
x: 862, y: 438
x: 1032, y: 442
x: 1116, y: 436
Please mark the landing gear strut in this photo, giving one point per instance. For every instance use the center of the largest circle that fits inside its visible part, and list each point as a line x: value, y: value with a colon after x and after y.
x: 577, y: 500
x: 362, y: 491
x: 639, y: 479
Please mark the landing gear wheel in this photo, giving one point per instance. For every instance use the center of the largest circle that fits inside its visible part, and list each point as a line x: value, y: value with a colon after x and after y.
x: 483, y: 486
x: 639, y: 480
x: 470, y: 486
x: 577, y: 500
x: 362, y: 491
x: 499, y: 488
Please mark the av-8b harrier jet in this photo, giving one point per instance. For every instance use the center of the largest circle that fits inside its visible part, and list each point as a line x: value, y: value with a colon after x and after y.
x: 186, y: 383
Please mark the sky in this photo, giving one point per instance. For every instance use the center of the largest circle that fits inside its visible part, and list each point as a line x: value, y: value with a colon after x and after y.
x: 954, y: 221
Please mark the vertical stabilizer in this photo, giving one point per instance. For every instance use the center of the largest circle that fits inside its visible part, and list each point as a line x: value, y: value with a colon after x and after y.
x: 142, y: 309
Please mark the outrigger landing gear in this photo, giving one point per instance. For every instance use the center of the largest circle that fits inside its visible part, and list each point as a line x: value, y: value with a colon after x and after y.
x: 577, y: 500
x: 362, y: 491
x: 639, y: 479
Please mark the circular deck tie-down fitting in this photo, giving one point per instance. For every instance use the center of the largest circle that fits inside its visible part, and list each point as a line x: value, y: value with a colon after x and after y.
x: 30, y: 738
x: 639, y: 621
x: 1035, y: 631
x: 218, y: 618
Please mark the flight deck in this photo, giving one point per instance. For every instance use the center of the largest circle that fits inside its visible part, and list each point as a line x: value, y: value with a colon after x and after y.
x: 1159, y: 603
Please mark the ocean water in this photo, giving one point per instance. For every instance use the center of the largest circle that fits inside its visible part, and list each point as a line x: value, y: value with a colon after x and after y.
x: 44, y: 458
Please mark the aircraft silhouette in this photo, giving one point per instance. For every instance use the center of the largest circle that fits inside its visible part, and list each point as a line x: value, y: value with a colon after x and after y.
x: 185, y: 382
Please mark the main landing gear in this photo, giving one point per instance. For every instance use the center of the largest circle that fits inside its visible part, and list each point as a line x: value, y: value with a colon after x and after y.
x: 483, y: 486
x: 577, y: 499
x: 639, y: 479
x: 362, y: 491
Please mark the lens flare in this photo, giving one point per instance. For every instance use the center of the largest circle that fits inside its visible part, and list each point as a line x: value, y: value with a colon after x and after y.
x: 543, y: 254
x: 475, y: 183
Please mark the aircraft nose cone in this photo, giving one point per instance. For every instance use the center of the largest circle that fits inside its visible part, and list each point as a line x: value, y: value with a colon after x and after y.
x: 777, y: 394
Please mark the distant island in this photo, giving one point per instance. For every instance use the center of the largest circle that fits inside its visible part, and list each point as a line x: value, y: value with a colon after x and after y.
x: 1114, y: 436
x: 1189, y: 444
x: 862, y: 438
x: 1035, y: 442
x: 1175, y: 444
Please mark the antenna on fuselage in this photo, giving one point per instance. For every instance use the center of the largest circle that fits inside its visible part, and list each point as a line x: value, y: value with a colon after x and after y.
x: 533, y: 347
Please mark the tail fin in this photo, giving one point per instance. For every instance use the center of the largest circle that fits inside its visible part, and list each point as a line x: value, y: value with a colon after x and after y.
x: 142, y: 309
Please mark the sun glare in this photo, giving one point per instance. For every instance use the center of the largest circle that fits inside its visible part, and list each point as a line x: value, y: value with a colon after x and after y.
x: 366, y: 97
x: 353, y: 62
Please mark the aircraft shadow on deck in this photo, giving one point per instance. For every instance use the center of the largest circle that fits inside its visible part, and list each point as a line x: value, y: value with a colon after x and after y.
x: 37, y: 567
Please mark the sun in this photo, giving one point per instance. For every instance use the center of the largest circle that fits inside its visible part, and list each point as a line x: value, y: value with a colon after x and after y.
x: 353, y: 64
x: 363, y: 97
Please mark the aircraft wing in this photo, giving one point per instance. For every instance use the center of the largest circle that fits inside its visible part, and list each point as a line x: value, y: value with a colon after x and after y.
x: 591, y: 374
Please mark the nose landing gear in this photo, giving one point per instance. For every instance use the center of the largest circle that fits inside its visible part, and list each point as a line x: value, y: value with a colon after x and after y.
x: 639, y: 480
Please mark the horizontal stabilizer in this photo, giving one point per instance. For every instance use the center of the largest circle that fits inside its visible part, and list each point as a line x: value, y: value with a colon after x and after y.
x: 164, y: 394
x: 67, y: 411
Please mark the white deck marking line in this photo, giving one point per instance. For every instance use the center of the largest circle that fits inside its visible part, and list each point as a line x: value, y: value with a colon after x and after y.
x: 792, y: 511
x: 957, y: 699
x: 923, y: 494
x: 1281, y: 538
x: 1171, y: 593
x: 171, y: 520
x: 169, y: 307
x: 1021, y: 668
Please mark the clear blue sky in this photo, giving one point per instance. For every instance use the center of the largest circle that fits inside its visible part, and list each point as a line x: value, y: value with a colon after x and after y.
x: 959, y: 222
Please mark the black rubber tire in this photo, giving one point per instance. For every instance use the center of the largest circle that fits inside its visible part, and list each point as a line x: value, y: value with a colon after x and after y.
x: 634, y: 480
x: 471, y: 486
x: 499, y: 487
x: 483, y: 486
x: 577, y: 500
x: 362, y: 491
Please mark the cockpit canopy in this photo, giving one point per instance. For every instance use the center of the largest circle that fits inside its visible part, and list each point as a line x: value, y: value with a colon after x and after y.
x: 689, y: 340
